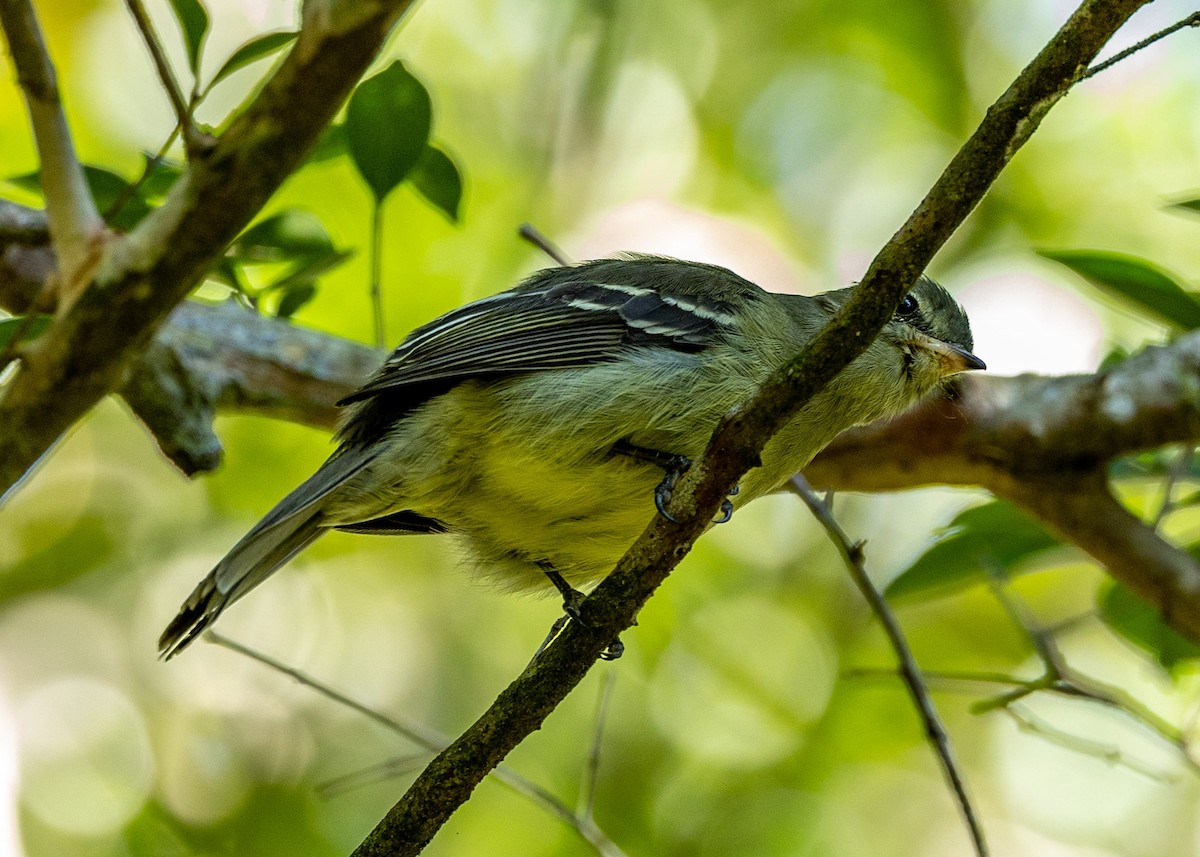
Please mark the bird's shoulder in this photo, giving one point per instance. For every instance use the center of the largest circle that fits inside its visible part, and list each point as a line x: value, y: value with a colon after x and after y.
x: 563, y: 318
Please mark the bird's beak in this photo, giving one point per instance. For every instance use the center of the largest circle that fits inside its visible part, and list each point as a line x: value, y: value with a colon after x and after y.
x: 952, y: 358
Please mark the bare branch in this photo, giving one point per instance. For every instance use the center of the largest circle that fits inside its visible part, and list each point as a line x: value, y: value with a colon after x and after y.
x: 1084, y: 511
x: 909, y: 670
x: 537, y: 238
x: 435, y: 741
x: 194, y: 141
x: 1192, y: 20
x: 23, y: 226
x: 75, y: 224
x: 146, y: 273
x: 1043, y: 444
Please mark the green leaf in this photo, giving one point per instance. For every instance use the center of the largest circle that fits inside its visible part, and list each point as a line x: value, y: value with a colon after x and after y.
x: 252, y: 51
x: 1152, y: 464
x: 10, y: 327
x: 387, y: 127
x: 106, y: 187
x: 292, y: 233
x: 161, y: 175
x: 331, y: 144
x: 27, y: 181
x: 436, y: 178
x: 295, y: 297
x: 1187, y: 205
x: 193, y: 22
x: 979, y: 540
x: 308, y: 270
x: 1134, y: 281
x: 226, y: 273
x: 1138, y: 622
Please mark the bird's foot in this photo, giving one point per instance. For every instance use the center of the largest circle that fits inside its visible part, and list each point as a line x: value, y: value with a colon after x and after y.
x: 572, y: 599
x: 674, y: 466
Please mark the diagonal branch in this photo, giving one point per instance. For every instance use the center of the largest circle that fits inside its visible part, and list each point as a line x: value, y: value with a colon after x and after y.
x: 75, y: 224
x: 613, y: 606
x: 909, y: 670
x: 145, y: 274
x: 194, y: 141
x: 1044, y: 444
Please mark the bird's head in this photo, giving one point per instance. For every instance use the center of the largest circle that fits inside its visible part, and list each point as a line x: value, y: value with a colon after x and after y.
x: 932, y: 335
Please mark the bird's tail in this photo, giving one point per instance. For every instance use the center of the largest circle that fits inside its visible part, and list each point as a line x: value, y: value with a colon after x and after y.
x: 286, y: 530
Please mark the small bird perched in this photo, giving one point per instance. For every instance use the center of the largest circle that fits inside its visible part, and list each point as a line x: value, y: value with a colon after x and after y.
x: 543, y: 425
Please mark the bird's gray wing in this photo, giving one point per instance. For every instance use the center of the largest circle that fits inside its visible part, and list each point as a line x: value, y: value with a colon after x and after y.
x: 569, y: 322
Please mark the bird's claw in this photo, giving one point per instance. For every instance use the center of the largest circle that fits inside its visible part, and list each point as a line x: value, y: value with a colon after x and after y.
x: 727, y: 506
x: 613, y: 651
x: 662, y: 494
x: 572, y: 604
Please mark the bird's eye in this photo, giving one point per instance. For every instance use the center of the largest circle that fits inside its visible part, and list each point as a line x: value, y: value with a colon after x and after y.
x: 908, y: 307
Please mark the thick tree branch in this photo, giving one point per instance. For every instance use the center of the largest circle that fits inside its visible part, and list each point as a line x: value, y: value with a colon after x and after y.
x: 204, y: 359
x: 1024, y: 427
x: 144, y: 275
x: 1044, y: 444
x: 20, y: 225
x: 75, y: 224
x: 613, y: 606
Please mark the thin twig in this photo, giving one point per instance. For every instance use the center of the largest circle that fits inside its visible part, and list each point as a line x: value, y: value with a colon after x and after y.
x: 591, y: 772
x: 377, y: 272
x: 1059, y: 678
x: 1073, y: 686
x: 75, y: 224
x: 535, y: 237
x: 971, y: 678
x: 1029, y: 722
x: 378, y: 772
x: 193, y: 140
x: 1192, y: 20
x: 131, y: 190
x: 1177, y: 472
x: 910, y: 672
x: 433, y: 741
x: 1043, y: 642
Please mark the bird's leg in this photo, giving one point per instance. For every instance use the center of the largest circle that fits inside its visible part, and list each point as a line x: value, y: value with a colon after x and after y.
x: 572, y: 598
x: 674, y: 465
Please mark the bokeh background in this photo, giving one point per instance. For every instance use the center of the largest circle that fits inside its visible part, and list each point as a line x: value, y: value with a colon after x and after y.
x: 786, y: 140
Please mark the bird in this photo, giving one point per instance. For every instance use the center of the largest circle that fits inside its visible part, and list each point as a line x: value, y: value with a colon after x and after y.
x: 543, y: 425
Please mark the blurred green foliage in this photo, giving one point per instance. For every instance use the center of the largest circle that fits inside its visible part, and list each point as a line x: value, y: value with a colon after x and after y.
x: 787, y: 140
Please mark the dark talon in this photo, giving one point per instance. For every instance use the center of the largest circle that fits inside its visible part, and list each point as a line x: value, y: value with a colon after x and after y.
x: 572, y: 601
x: 673, y: 464
x: 662, y: 494
x: 727, y: 506
x: 614, y: 650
